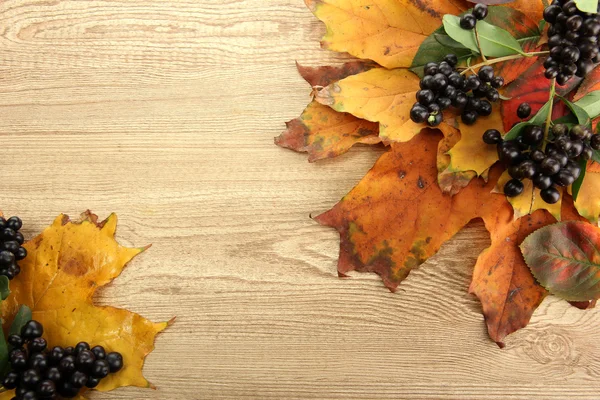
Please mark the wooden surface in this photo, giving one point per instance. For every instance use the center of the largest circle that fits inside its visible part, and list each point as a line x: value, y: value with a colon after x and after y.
x: 165, y: 112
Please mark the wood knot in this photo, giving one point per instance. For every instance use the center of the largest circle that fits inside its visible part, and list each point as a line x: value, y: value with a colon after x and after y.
x: 552, y: 348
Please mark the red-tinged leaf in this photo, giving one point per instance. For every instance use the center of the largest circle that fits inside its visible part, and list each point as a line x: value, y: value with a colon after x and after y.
x: 565, y: 259
x: 501, y: 280
x: 513, y: 69
x: 583, y: 305
x: 590, y: 83
x: 325, y: 133
x: 323, y: 76
x: 397, y: 216
x: 532, y: 87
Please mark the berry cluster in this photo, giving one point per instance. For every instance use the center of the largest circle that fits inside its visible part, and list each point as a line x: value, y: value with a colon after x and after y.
x: 557, y: 165
x: 443, y: 86
x: 38, y: 373
x: 469, y: 20
x: 573, y: 39
x: 11, y: 250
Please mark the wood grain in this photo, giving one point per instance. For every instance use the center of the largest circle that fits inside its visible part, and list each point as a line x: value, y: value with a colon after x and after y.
x: 165, y: 112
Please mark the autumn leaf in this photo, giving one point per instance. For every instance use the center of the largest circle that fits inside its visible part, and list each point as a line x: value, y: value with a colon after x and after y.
x: 565, y: 259
x: 470, y: 153
x: 588, y: 201
x: 323, y: 76
x: 66, y: 264
x: 325, y: 133
x: 451, y: 182
x: 378, y: 95
x: 533, y: 88
x: 386, y: 31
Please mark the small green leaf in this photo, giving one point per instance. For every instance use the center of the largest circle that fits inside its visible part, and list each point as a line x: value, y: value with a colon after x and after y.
x: 3, y: 354
x: 590, y: 103
x: 22, y: 317
x: 577, y: 184
x: 538, y: 119
x: 4, y: 287
x: 583, y: 118
x: 590, y: 6
x: 495, y: 41
x: 565, y: 259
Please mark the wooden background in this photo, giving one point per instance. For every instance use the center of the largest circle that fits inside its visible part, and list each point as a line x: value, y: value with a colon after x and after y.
x: 165, y: 112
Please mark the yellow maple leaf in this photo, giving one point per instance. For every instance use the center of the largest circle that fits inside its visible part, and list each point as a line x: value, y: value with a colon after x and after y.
x: 65, y: 265
x: 378, y: 95
x: 588, y: 201
x: 386, y: 31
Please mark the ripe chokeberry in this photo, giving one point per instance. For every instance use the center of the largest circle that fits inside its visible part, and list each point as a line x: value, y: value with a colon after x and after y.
x: 492, y: 136
x: 31, y: 330
x: 468, y: 21
x: 513, y: 188
x: 524, y: 110
x: 480, y: 11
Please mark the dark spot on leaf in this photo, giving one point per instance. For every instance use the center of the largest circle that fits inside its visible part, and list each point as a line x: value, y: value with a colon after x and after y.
x: 420, y: 183
x: 401, y: 174
x: 386, y: 51
x: 428, y: 240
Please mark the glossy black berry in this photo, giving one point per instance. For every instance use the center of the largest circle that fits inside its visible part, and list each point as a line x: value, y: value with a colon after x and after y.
x: 541, y: 181
x: 115, y: 361
x: 580, y: 132
x: 426, y: 82
x: 11, y: 380
x: 92, y: 382
x: 468, y: 21
x: 574, y: 23
x: 99, y: 352
x: 38, y: 361
x: 460, y: 101
x: 569, y: 8
x: 576, y: 149
x: 560, y: 130
x: 485, y: 108
x: 533, y: 135
x: 451, y: 59
x: 85, y: 360
x: 551, y: 73
x: 564, y: 177
x: 450, y: 92
x: 528, y: 169
x: 67, y: 365
x: 18, y: 360
x: 584, y: 67
x: 595, y: 142
x: 31, y: 330
x: 469, y: 117
x: 455, y: 79
x: 473, y: 82
x: 492, y: 136
x: 444, y: 102
x: 497, y: 82
x: 81, y: 346
x: 100, y: 369
x: 508, y: 152
x: 78, y: 379
x: 562, y: 78
x: 425, y: 97
x: 431, y: 68
x: 587, y: 152
x: 573, y: 168
x: 46, y: 388
x: 493, y: 95
x: 419, y: 113
x: 53, y: 374
x: 513, y: 188
x: 19, y: 238
x: 486, y: 73
x: 515, y: 172
x: 37, y: 345
x: 445, y: 68
x: 440, y: 81
x: 564, y: 143
x: 480, y: 11
x: 550, y: 166
x: 30, y: 378
x: 15, y: 340
x: 29, y: 395
x: 537, y: 155
x: 6, y: 258
x: 551, y: 12
x: 524, y: 110
x: 550, y: 195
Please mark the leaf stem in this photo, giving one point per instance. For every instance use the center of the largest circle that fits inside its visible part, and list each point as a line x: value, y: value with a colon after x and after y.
x: 479, y: 44
x: 549, y: 117
x: 503, y: 59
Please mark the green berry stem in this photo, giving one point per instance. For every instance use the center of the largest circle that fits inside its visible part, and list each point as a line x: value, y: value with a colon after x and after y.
x: 503, y: 59
x: 549, y: 117
x: 479, y: 44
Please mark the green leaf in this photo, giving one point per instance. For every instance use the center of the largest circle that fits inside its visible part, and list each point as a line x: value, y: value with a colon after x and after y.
x: 495, y: 41
x: 590, y: 6
x: 22, y: 317
x: 435, y: 48
x: 583, y: 118
x: 576, y: 187
x: 3, y: 354
x: 565, y: 259
x: 590, y: 103
x: 538, y: 119
x: 4, y: 287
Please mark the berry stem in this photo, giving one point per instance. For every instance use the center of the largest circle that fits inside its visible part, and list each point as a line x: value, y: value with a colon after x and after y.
x: 503, y: 59
x: 479, y: 44
x: 549, y: 117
